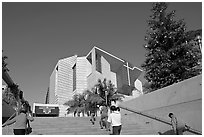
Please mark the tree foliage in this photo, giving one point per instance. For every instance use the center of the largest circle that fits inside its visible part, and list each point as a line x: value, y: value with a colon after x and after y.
x: 9, y: 98
x: 77, y: 103
x: 170, y: 56
x: 89, y: 99
x: 107, y: 89
x: 4, y: 64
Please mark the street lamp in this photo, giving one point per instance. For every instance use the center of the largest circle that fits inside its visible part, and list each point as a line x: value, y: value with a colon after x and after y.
x: 106, y: 93
x: 199, y: 39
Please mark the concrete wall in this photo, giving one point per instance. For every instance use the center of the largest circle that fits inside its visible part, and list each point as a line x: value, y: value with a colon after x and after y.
x: 52, y: 86
x: 81, y: 74
x: 7, y: 111
x: 184, y: 99
x: 65, y: 79
x: 122, y: 77
x: 92, y: 79
x: 105, y: 66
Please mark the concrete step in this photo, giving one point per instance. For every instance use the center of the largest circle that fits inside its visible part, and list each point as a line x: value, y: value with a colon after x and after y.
x: 79, y: 126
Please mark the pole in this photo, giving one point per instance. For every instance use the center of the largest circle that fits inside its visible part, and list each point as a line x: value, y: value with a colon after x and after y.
x: 199, y: 43
x: 106, y: 97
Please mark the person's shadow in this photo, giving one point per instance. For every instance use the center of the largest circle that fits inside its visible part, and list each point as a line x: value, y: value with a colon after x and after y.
x: 168, y: 132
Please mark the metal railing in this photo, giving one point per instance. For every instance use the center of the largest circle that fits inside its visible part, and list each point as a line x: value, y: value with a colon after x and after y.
x: 14, y: 88
x: 7, y: 79
x: 194, y: 131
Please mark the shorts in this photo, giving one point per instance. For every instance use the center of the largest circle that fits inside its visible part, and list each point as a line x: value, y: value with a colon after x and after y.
x: 116, y: 130
x: 19, y: 131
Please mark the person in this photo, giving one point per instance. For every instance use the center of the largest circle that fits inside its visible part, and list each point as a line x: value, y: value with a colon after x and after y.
x: 114, y: 120
x: 75, y: 111
x: 178, y: 126
x: 118, y: 108
x: 78, y: 113
x: 20, y: 121
x: 92, y: 119
x: 104, y: 117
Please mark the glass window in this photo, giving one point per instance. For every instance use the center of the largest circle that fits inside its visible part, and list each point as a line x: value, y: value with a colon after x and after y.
x: 98, y: 63
x: 74, y: 77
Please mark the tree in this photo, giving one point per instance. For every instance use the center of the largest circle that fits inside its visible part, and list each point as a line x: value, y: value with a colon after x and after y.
x: 89, y: 99
x: 11, y: 95
x: 170, y: 56
x: 107, y: 92
x: 4, y: 64
x: 77, y: 103
x: 9, y: 98
x: 191, y: 35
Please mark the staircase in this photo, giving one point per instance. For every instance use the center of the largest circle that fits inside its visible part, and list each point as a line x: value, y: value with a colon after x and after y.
x: 80, y: 126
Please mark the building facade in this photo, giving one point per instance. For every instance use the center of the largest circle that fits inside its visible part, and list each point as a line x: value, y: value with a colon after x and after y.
x: 74, y: 74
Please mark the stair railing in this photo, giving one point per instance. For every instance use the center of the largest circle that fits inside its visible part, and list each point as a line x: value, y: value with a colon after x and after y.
x: 13, y: 87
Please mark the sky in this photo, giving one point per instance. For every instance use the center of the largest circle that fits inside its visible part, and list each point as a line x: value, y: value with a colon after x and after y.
x: 35, y: 35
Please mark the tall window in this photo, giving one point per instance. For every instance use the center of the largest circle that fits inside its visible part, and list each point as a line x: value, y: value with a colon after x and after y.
x: 74, y: 77
x: 47, y: 97
x: 89, y: 58
x: 98, y: 63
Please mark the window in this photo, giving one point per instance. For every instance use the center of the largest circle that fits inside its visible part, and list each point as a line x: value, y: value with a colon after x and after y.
x: 98, y: 63
x: 74, y: 77
x: 89, y: 58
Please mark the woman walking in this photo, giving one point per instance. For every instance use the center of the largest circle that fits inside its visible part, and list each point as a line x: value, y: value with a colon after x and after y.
x: 20, y: 121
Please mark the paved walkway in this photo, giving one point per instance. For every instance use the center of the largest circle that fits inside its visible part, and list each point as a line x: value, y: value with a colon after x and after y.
x: 79, y: 126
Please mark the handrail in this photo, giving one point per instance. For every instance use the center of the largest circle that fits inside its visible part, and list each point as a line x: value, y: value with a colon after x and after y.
x: 159, y: 119
x: 12, y: 116
x: 13, y: 87
x: 7, y: 78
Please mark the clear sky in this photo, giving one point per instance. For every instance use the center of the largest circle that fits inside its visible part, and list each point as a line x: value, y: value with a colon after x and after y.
x: 36, y: 35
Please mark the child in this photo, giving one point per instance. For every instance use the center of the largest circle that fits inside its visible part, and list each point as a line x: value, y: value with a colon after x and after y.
x: 115, y: 120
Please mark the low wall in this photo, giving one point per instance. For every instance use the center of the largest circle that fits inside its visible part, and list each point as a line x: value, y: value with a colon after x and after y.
x: 7, y: 111
x: 184, y: 99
